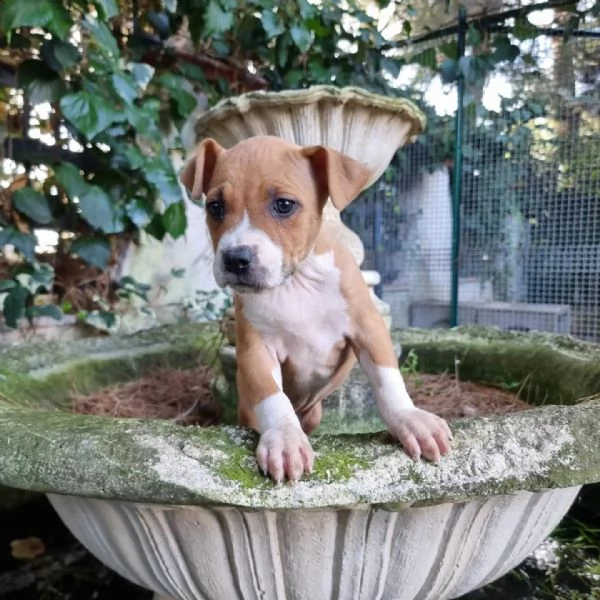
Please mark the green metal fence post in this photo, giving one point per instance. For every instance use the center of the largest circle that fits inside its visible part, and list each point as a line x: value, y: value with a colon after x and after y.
x: 457, y: 183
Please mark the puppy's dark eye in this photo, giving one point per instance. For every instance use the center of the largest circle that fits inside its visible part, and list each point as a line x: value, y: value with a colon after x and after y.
x: 284, y: 207
x: 216, y: 209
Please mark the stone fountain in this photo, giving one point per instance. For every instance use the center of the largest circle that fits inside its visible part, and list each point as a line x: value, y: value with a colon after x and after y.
x: 185, y: 512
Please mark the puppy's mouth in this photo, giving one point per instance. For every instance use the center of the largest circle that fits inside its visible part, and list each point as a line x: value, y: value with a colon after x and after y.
x: 253, y: 281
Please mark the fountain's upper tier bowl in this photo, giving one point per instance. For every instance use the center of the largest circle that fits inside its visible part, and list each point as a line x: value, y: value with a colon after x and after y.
x: 368, y: 127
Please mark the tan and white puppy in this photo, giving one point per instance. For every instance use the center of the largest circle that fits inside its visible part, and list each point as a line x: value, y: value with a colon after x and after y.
x: 303, y: 310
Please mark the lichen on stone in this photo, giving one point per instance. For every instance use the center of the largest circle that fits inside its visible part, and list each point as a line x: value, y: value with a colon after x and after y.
x: 49, y: 450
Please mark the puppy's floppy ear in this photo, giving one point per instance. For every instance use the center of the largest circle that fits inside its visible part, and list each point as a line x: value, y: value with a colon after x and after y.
x: 197, y: 173
x: 338, y: 176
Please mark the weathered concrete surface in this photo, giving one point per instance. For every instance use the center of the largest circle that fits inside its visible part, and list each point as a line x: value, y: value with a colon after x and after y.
x: 162, y: 463
x: 153, y: 461
x: 356, y: 553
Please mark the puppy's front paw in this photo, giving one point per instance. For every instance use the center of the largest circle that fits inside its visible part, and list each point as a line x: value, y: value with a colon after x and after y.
x: 422, y: 433
x: 284, y: 453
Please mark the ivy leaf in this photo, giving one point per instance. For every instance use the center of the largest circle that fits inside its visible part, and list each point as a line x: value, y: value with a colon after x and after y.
x: 32, y: 204
x: 94, y: 251
x: 70, y: 179
x: 48, y: 14
x: 271, y: 24
x: 175, y: 220
x: 186, y: 103
x: 98, y: 209
x: 59, y: 55
x: 14, y: 306
x: 302, y: 37
x: 108, y: 8
x: 217, y: 20
x: 106, y: 42
x: 142, y: 73
x: 125, y: 87
x: 6, y: 284
x: 40, y: 82
x: 101, y: 319
x: 448, y: 70
x: 156, y: 228
x: 505, y: 50
x: 138, y: 213
x: 163, y: 177
x: 46, y: 310
x: 91, y: 114
x: 427, y: 58
x: 23, y: 242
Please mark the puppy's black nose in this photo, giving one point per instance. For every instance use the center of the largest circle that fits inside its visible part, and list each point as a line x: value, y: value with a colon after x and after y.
x: 238, y: 259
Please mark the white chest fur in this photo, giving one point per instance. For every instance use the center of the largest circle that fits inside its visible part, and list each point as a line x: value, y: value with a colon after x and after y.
x: 303, y: 319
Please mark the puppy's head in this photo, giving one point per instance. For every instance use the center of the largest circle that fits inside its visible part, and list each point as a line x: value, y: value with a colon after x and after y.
x: 264, y: 204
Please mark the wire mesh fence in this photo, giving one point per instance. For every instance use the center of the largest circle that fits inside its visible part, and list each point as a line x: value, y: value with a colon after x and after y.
x: 529, y: 253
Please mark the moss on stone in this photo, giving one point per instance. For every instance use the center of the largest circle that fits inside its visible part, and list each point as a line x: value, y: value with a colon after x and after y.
x: 159, y: 462
x: 549, y: 369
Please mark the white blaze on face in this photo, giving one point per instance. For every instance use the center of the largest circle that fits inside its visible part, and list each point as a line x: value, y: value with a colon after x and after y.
x: 269, y: 256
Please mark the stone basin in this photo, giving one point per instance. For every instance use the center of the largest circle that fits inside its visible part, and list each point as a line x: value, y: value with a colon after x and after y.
x: 185, y: 512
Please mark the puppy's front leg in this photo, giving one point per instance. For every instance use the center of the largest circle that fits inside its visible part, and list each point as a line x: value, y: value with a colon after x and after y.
x: 283, y: 449
x: 421, y: 433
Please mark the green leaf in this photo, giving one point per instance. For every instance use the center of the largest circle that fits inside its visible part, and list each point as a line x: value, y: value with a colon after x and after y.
x: 14, y: 306
x: 46, y: 310
x: 449, y: 49
x: 70, y: 179
x: 6, y: 284
x: 161, y: 175
x: 505, y: 50
x: 23, y: 242
x: 59, y: 55
x: 98, y: 210
x: 448, y: 71
x: 48, y: 14
x: 271, y: 24
x: 91, y: 114
x: 217, y: 20
x: 94, y: 251
x: 100, y: 319
x: 108, y: 8
x: 36, y: 277
x: 523, y: 29
x: 473, y: 36
x: 105, y: 40
x: 156, y: 227
x: 32, y: 204
x: 142, y: 73
x: 130, y: 286
x: 40, y: 82
x: 175, y: 220
x: 307, y: 10
x: 302, y: 37
x: 125, y: 87
x: 427, y: 58
x: 138, y: 213
x: 186, y: 103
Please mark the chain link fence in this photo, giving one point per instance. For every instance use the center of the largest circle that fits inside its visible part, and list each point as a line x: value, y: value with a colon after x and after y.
x: 528, y: 256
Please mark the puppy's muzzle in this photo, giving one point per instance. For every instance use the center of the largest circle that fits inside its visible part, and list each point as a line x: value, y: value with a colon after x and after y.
x: 238, y: 260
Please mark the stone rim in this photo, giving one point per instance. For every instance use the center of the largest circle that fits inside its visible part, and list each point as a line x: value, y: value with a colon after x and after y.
x: 319, y: 93
x: 158, y: 462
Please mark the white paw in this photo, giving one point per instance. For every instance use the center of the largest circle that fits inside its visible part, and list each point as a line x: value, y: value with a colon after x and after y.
x: 284, y: 453
x: 421, y: 433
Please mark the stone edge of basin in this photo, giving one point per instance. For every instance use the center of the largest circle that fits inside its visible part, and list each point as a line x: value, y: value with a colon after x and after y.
x: 161, y: 463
